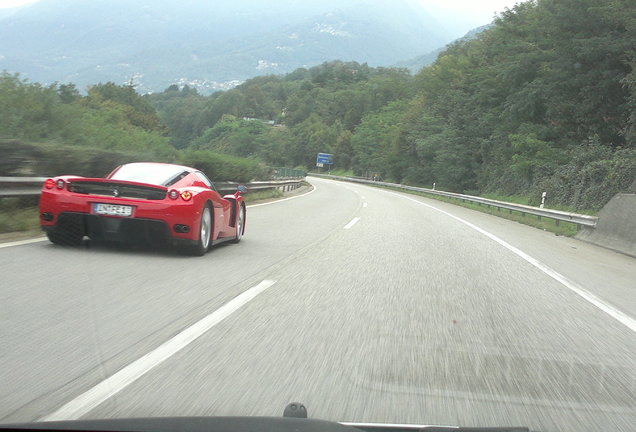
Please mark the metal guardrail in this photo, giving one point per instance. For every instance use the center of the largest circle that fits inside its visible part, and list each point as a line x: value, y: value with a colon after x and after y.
x: 20, y: 186
x: 288, y: 173
x: 285, y: 185
x: 579, y: 219
x: 31, y: 186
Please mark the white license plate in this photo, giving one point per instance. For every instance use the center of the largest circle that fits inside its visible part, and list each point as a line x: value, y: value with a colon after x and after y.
x: 112, y: 209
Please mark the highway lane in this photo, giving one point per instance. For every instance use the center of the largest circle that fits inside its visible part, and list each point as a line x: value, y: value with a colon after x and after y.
x: 407, y: 316
x: 72, y: 316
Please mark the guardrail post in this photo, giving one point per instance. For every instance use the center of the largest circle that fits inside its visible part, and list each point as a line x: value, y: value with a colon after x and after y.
x: 578, y: 219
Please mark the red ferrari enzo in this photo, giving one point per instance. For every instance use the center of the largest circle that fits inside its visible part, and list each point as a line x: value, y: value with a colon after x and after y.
x: 148, y: 202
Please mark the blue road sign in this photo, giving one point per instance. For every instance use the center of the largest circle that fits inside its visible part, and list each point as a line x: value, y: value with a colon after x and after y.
x: 324, y: 158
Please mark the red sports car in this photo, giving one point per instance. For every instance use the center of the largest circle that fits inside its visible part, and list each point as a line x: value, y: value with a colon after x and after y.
x: 149, y: 202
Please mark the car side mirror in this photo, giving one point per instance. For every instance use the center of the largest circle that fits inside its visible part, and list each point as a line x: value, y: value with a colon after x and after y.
x: 242, y: 189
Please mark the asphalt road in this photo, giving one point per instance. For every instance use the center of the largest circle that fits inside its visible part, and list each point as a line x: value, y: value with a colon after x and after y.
x: 383, y: 307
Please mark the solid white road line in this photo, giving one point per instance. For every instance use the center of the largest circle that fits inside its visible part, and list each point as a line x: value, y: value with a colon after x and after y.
x: 352, y: 223
x: 284, y: 199
x: 87, y: 401
x: 623, y: 318
x: 364, y: 204
x: 22, y: 242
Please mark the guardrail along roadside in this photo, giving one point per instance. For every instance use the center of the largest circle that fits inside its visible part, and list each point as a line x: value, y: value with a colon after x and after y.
x: 30, y: 186
x: 557, y: 215
x: 614, y: 228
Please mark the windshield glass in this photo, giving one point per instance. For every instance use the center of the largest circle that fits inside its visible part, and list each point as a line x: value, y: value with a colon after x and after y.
x: 157, y: 174
x: 390, y: 211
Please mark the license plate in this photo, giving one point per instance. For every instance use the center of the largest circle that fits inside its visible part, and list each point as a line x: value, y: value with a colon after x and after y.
x: 112, y: 209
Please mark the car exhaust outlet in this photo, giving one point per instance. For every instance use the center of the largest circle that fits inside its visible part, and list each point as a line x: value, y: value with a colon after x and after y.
x: 182, y: 229
x: 47, y: 216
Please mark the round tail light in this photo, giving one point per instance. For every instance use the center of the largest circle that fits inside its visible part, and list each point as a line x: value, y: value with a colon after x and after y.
x: 186, y: 195
x: 49, y: 184
x: 173, y: 194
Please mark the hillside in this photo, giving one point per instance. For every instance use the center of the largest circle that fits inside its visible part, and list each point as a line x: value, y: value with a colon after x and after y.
x: 417, y: 63
x: 544, y: 100
x: 208, y: 45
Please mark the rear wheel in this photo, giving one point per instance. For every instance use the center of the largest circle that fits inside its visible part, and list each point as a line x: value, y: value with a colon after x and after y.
x: 240, y: 222
x: 64, y: 236
x: 205, y: 232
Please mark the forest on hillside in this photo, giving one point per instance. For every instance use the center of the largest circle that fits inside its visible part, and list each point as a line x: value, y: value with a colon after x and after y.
x: 543, y: 100
x: 53, y: 130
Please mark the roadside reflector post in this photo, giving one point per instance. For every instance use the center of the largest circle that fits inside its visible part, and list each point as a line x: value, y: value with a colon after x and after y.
x: 543, y: 195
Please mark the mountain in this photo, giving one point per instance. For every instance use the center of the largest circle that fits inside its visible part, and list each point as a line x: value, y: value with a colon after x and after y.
x: 417, y: 63
x: 208, y: 45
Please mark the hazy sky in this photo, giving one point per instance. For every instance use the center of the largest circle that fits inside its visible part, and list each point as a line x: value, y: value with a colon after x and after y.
x: 14, y: 3
x: 469, y: 13
x: 483, y: 7
x: 472, y: 12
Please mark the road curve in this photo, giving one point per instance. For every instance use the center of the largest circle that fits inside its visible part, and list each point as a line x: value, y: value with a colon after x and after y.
x: 383, y: 307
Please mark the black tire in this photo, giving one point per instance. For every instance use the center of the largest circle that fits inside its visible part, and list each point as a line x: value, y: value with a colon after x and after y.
x: 205, y: 232
x: 240, y: 224
x: 64, y: 237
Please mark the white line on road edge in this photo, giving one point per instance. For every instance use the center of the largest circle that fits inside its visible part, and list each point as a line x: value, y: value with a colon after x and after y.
x: 364, y: 204
x: 89, y: 400
x: 22, y: 242
x: 284, y: 199
x: 571, y: 285
x: 352, y: 223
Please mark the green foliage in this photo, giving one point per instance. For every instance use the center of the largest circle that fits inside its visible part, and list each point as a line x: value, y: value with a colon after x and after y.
x: 16, y: 216
x: 109, y: 117
x: 250, y: 138
x: 220, y: 167
x: 51, y: 159
x: 533, y: 158
x: 543, y: 100
x: 53, y: 130
x: 592, y: 176
x: 314, y: 109
x: 514, y: 110
x: 374, y: 139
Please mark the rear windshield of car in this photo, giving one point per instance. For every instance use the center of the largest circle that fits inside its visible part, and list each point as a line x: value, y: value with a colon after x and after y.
x: 161, y: 175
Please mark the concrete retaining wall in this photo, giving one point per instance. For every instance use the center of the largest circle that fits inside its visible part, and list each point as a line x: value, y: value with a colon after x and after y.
x: 616, y: 227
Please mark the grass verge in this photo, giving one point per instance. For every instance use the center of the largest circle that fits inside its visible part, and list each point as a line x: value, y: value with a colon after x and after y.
x: 528, y: 200
x: 557, y: 227
x: 261, y: 195
x: 22, y: 219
